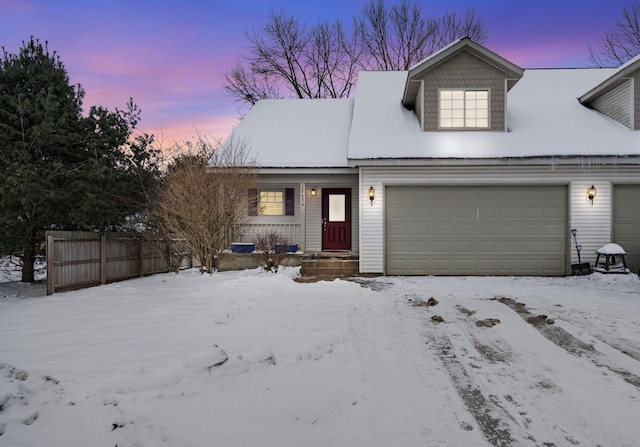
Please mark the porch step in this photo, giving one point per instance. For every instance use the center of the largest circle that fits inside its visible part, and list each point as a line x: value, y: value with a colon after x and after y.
x: 329, y: 265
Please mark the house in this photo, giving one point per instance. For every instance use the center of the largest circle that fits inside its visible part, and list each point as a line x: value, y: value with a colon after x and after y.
x: 466, y: 164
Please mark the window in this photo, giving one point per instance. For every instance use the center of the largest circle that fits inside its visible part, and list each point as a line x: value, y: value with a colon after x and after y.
x: 464, y: 109
x: 271, y: 203
x: 276, y: 202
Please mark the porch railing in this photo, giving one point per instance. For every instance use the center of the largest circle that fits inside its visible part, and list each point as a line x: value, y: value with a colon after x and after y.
x: 249, y: 232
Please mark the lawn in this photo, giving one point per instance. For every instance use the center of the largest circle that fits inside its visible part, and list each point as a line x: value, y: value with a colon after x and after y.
x: 250, y: 358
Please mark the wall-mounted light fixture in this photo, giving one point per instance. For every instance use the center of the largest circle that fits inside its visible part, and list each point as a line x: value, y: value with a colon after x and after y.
x: 313, y: 191
x: 372, y: 195
x: 591, y: 193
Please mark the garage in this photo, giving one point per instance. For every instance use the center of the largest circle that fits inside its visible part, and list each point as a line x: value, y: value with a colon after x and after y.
x: 476, y: 230
x: 626, y: 222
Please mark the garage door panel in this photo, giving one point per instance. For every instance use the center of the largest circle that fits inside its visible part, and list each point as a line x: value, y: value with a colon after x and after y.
x: 487, y: 230
x: 441, y: 246
x: 531, y: 265
x: 553, y: 212
x: 504, y: 212
x: 508, y: 247
x: 398, y: 230
x: 462, y: 245
x: 436, y: 215
x: 487, y: 246
x: 532, y: 230
x: 461, y: 213
x: 551, y: 230
x: 533, y: 213
x: 625, y: 228
x: 626, y: 222
x: 508, y: 229
x: 439, y: 229
x: 532, y: 246
x: 479, y: 230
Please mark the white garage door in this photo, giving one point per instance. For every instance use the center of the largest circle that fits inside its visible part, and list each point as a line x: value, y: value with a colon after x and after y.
x: 476, y: 230
x: 626, y: 222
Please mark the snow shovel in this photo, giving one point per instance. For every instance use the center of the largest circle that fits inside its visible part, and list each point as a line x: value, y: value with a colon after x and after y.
x: 581, y: 268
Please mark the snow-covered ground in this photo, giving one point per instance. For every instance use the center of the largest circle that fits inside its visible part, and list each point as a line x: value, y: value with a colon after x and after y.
x: 250, y: 358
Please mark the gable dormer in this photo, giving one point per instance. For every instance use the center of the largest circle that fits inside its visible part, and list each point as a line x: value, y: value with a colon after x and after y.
x: 618, y: 96
x: 461, y: 87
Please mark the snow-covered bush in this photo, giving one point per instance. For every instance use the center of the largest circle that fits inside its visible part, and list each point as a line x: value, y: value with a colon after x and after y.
x: 269, y: 256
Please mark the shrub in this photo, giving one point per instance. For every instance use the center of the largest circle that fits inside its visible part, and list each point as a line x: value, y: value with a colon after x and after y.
x: 270, y: 258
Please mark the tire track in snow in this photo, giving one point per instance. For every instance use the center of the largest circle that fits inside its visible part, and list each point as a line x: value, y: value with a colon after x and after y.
x: 568, y: 342
x: 513, y: 399
x: 482, y: 409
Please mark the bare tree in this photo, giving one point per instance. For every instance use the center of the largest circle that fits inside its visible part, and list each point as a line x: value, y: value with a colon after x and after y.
x: 287, y: 59
x: 399, y: 36
x: 249, y: 86
x: 454, y: 25
x: 620, y: 44
x: 315, y: 62
x: 204, y: 195
x: 393, y: 37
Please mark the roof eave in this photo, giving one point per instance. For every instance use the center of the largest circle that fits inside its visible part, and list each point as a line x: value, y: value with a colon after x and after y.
x: 623, y: 72
x: 465, y: 43
x: 514, y: 71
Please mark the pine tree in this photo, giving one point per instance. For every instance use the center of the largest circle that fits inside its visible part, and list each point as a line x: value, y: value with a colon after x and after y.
x: 58, y: 169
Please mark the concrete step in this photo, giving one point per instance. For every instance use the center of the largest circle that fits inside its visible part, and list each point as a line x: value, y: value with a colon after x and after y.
x: 329, y: 262
x: 331, y: 267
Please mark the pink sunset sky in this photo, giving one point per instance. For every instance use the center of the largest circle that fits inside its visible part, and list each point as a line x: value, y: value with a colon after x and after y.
x: 171, y: 56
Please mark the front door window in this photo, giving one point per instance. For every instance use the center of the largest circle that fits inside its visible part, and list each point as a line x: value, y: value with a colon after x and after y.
x: 336, y: 208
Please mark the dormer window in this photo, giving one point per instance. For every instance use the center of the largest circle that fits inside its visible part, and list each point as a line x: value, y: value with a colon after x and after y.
x: 464, y: 109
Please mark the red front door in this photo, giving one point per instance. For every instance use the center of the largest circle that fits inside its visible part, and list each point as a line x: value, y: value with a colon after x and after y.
x: 336, y: 219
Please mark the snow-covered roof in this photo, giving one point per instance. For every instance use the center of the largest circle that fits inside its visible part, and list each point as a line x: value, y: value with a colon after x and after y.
x: 297, y: 132
x: 615, y: 79
x: 544, y: 118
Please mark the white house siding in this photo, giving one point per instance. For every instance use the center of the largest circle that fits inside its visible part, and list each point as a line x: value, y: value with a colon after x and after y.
x: 372, y: 223
x: 618, y: 104
x: 592, y: 222
x: 308, y: 208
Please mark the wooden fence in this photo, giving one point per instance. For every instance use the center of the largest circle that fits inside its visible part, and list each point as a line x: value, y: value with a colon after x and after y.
x: 78, y: 259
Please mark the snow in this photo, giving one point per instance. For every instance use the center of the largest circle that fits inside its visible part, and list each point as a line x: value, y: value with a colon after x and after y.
x: 252, y: 358
x: 544, y: 119
x: 611, y: 249
x: 297, y: 132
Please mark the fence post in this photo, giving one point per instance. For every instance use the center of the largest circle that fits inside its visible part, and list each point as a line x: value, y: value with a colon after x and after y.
x: 51, y: 269
x: 141, y: 255
x: 103, y: 259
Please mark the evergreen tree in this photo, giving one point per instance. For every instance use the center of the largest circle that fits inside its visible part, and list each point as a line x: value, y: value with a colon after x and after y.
x: 58, y: 169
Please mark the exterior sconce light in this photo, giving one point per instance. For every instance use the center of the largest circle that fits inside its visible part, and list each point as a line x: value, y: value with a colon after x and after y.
x: 372, y: 195
x: 313, y: 191
x: 591, y: 193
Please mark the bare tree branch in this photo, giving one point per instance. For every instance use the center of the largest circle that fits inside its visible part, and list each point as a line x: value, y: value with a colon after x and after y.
x: 249, y: 87
x: 288, y: 59
x: 452, y: 26
x: 398, y: 37
x: 204, y: 195
x: 620, y: 44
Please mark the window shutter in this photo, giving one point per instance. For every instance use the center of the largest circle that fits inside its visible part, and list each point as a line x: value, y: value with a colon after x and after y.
x: 253, y: 202
x: 288, y: 202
